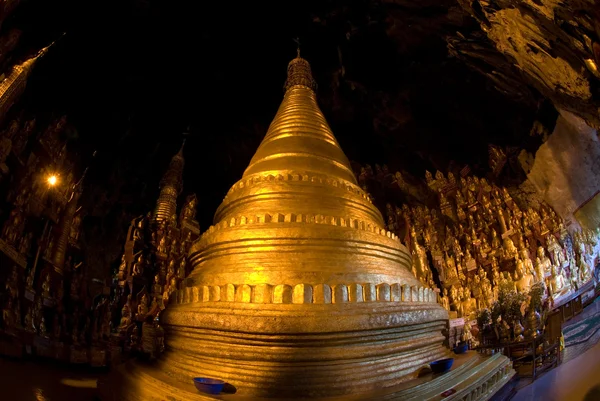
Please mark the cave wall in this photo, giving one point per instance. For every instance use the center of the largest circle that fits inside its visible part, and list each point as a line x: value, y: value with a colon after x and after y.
x: 566, y: 170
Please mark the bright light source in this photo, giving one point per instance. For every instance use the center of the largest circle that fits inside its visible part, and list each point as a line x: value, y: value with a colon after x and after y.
x: 52, y: 180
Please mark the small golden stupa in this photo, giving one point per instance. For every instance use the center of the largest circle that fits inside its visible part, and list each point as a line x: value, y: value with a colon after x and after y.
x: 297, y: 290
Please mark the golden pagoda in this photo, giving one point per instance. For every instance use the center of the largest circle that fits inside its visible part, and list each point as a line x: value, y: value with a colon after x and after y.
x: 170, y: 188
x: 12, y: 87
x: 297, y: 290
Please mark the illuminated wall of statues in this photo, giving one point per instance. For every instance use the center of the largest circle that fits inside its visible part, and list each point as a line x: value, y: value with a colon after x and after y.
x: 476, y: 239
x: 153, y: 264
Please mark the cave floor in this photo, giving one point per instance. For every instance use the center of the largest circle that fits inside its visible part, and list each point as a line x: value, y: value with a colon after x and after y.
x: 26, y: 380
x: 576, y: 379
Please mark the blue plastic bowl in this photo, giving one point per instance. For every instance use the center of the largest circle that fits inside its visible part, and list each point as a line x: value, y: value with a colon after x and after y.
x: 209, y: 386
x: 441, y: 366
x: 461, y: 348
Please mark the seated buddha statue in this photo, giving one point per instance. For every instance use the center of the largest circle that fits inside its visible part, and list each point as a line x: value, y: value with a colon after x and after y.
x: 545, y: 261
x: 523, y: 279
x: 557, y: 284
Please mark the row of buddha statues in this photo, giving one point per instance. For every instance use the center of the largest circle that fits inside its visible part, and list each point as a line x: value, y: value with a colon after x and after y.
x: 48, y: 303
x: 160, y: 257
x: 476, y: 237
x: 14, y: 139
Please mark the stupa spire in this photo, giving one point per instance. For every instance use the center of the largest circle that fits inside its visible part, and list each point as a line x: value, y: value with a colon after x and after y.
x: 299, y: 138
x: 13, y: 86
x: 171, y: 185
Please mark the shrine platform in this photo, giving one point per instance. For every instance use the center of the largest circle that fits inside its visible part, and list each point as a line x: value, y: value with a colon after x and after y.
x: 473, y: 377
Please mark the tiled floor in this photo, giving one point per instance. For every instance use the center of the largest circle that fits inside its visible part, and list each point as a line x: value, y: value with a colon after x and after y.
x: 575, y: 380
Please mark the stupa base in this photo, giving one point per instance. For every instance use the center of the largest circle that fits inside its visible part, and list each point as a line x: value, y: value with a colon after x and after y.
x: 473, y: 377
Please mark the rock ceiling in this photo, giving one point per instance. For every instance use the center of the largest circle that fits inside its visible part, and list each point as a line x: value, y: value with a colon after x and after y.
x: 413, y: 84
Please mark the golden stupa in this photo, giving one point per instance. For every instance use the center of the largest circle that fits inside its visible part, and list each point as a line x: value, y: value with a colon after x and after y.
x: 297, y: 290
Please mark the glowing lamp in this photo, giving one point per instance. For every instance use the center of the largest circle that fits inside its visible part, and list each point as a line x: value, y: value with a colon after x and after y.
x: 52, y: 180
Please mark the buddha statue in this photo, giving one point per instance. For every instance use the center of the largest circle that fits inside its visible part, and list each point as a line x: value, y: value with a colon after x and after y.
x: 162, y: 245
x: 486, y: 289
x: 475, y: 287
x: 545, y: 261
x: 523, y: 279
x: 495, y: 242
x: 126, y: 314
x: 460, y: 200
x: 557, y: 285
x: 28, y: 321
x: 157, y: 287
x: 454, y: 298
x: 441, y: 180
x: 122, y: 268
x: 138, y: 266
x: 142, y: 309
x: 510, y: 250
x: 584, y: 269
x: 450, y: 273
x: 468, y: 305
x: 46, y: 286
x: 444, y: 300
x: 429, y: 178
x: 277, y: 267
x: 558, y: 254
x: 183, y: 264
x: 43, y: 331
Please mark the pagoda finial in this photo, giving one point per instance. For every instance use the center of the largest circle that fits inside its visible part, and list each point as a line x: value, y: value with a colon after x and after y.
x: 299, y: 73
x: 297, y: 40
x: 180, y: 153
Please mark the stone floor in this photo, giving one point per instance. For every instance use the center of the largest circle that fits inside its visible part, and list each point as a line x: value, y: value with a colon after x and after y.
x: 38, y: 381
x: 576, y: 379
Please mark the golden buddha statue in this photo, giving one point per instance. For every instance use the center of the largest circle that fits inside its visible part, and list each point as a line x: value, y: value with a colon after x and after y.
x: 545, y: 261
x: 142, y: 309
x: 126, y: 314
x: 523, y: 279
x: 28, y: 321
x: 510, y: 250
x: 486, y: 289
x: 450, y: 274
x: 295, y: 242
x: 451, y: 178
x: 444, y: 300
x: 138, y: 266
x: 440, y: 179
x: 468, y: 305
x: 429, y: 179
x: 557, y: 285
x: 46, y: 286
